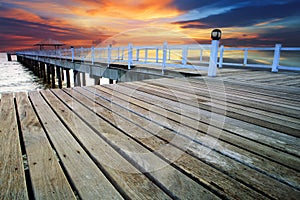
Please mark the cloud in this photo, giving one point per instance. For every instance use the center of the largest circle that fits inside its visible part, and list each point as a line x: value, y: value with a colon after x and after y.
x: 125, y: 9
x: 245, y: 16
x: 19, y: 32
x: 189, y: 5
x: 87, y: 22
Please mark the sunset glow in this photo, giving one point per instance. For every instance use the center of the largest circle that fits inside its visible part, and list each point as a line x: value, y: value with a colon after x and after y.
x: 99, y: 22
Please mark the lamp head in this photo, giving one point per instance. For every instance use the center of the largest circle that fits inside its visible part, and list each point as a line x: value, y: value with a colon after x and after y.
x: 216, y: 34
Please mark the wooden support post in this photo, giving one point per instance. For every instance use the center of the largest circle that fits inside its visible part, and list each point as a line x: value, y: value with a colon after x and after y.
x: 40, y: 72
x: 29, y: 64
x: 35, y: 70
x: 96, y: 80
x: 62, y: 74
x: 58, y: 70
x: 48, y: 73
x: 44, y: 71
x: 8, y: 57
x: 83, y: 79
x: 68, y: 78
x: 77, y: 80
x: 53, y: 76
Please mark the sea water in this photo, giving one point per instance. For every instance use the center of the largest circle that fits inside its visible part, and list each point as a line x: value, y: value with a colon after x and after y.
x: 14, y: 77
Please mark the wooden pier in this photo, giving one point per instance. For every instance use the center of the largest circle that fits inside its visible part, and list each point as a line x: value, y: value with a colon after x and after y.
x: 235, y: 136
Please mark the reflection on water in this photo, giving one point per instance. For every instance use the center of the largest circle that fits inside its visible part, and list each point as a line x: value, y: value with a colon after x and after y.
x: 16, y: 78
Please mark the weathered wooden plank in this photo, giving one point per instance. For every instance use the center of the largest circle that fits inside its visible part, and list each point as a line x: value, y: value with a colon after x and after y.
x: 132, y: 182
x: 83, y: 172
x: 232, y: 106
x: 12, y: 176
x: 251, y: 80
x: 278, y: 80
x: 208, y: 175
x: 253, y: 86
x: 257, y: 148
x: 271, y: 94
x: 225, y: 94
x: 251, y: 159
x: 215, y: 158
x: 291, y: 128
x: 47, y: 177
x: 178, y: 184
x: 218, y: 87
x: 280, y: 141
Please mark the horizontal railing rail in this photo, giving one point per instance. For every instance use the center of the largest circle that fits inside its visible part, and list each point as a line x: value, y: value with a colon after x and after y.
x: 165, y: 55
x: 192, y: 56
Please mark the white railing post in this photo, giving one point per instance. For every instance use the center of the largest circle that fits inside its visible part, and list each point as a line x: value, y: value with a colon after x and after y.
x: 59, y: 53
x: 72, y: 53
x: 276, y: 59
x: 212, y: 68
x: 201, y: 55
x: 81, y: 54
x: 130, y: 48
x: 146, y: 55
x: 109, y: 54
x: 137, y: 54
x: 184, y: 55
x: 118, y: 54
x: 245, y: 56
x: 165, y: 47
x: 221, y: 56
x: 93, y: 55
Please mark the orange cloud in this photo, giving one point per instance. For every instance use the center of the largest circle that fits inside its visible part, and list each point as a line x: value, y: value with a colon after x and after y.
x: 20, y: 14
x: 129, y: 9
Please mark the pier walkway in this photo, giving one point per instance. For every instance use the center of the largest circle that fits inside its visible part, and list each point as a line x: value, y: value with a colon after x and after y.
x: 235, y: 136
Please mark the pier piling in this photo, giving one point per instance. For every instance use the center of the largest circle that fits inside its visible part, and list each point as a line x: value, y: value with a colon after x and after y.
x: 68, y: 78
x: 58, y: 70
x: 9, y: 57
x: 48, y: 73
x: 53, y: 76
x: 42, y: 65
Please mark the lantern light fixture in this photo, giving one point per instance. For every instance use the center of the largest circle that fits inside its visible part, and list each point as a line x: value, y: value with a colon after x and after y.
x: 216, y: 34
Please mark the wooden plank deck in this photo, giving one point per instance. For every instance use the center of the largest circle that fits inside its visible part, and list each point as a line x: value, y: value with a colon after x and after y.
x: 236, y: 136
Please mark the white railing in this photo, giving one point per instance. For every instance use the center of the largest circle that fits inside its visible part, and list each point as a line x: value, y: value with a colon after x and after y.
x: 193, y: 56
x: 275, y: 60
x: 177, y: 56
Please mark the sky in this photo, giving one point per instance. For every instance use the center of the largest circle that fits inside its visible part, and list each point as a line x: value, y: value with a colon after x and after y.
x: 119, y: 22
